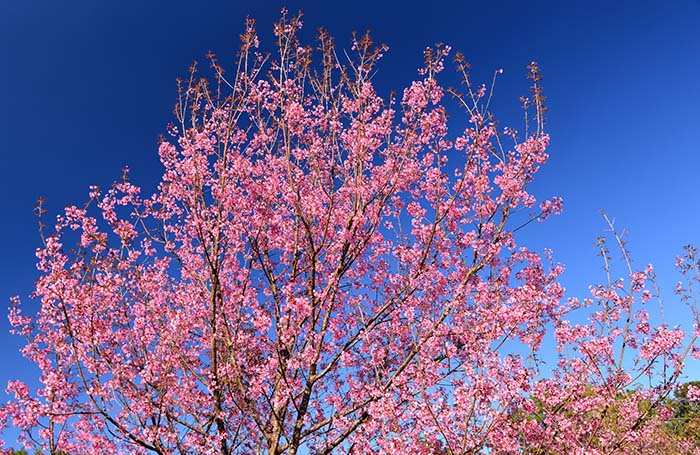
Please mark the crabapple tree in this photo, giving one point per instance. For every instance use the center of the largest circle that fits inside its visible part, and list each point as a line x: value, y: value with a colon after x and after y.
x: 324, y: 270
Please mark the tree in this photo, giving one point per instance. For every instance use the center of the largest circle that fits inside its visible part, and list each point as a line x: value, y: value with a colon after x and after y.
x: 683, y: 429
x: 18, y: 452
x: 322, y: 270
x: 24, y: 452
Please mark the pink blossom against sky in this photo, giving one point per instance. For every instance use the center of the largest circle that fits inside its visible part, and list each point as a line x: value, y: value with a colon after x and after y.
x: 89, y: 86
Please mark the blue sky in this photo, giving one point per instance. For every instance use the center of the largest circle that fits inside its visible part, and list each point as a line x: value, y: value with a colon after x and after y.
x: 88, y: 87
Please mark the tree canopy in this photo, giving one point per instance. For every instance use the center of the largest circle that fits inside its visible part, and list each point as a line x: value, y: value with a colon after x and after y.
x: 323, y: 270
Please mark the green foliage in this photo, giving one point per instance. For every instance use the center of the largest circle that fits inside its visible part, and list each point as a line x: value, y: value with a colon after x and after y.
x: 685, y: 424
x: 18, y: 452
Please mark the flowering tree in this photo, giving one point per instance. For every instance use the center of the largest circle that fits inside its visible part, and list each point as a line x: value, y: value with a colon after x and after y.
x: 322, y: 270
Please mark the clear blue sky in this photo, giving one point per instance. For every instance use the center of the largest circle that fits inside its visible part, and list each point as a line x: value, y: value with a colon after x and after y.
x: 87, y: 87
